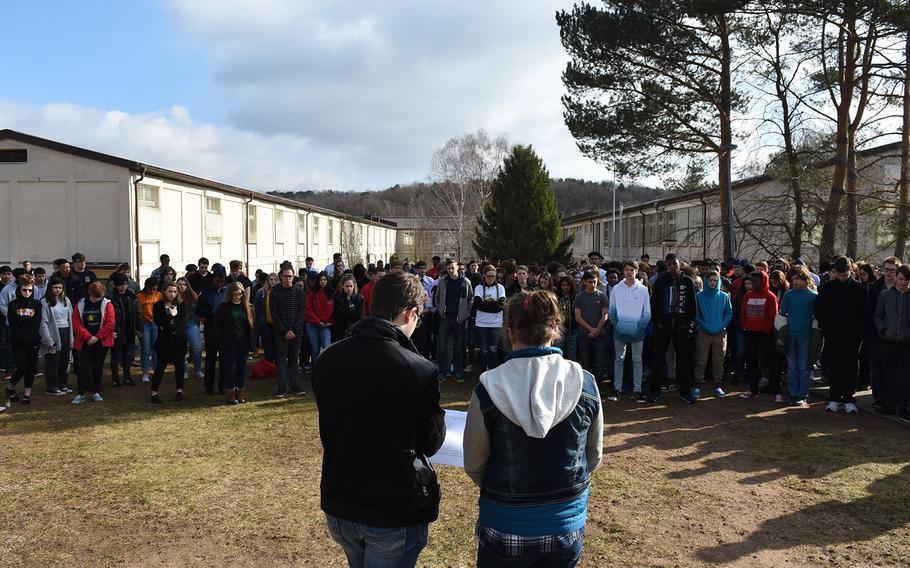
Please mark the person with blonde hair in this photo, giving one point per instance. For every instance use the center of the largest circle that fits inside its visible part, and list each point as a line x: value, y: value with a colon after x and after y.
x: 170, y: 319
x: 534, y: 434
x: 234, y: 329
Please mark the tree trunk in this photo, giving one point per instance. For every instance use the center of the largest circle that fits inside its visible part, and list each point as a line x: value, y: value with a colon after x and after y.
x: 725, y: 175
x: 852, y: 199
x: 903, y: 209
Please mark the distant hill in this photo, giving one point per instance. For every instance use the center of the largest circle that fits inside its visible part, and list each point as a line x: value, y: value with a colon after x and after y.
x: 572, y: 196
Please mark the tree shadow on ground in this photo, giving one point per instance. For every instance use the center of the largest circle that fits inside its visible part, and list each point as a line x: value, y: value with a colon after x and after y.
x: 764, y: 443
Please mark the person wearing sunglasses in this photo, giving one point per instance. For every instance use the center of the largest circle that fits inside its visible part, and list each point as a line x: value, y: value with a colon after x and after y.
x: 24, y: 315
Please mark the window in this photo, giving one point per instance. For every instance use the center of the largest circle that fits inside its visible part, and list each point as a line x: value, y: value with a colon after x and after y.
x: 301, y: 229
x: 251, y: 215
x: 331, y: 237
x: 635, y: 231
x: 315, y: 231
x: 213, y: 225
x: 650, y: 228
x: 147, y: 196
x: 669, y: 232
x: 279, y: 227
x: 13, y: 156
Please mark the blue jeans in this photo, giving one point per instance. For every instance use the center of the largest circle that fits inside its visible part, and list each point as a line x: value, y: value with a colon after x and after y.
x: 799, y: 369
x: 320, y: 338
x: 374, y: 547
x: 569, y: 345
x: 451, y: 346
x: 194, y: 341
x: 495, y: 556
x: 488, y: 341
x: 149, y: 335
x: 619, y: 363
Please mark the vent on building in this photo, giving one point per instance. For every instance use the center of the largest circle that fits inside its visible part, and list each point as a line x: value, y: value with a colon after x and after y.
x: 13, y: 156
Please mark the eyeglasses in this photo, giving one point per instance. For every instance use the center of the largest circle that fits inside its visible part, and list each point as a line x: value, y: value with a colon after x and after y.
x: 26, y: 290
x: 892, y: 269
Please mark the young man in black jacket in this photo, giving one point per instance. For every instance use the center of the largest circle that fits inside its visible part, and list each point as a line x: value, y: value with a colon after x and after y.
x: 673, y: 315
x: 842, y: 312
x: 127, y: 328
x: 379, y: 419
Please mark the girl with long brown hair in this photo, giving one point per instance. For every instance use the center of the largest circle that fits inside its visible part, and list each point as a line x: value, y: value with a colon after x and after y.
x: 234, y: 329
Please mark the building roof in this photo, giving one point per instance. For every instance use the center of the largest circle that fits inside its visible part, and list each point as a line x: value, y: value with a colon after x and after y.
x: 172, y: 175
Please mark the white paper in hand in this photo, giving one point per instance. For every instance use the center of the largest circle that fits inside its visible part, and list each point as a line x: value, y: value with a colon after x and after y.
x: 451, y: 452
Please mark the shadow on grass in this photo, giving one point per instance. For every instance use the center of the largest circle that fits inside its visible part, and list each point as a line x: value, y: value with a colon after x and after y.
x: 766, y: 443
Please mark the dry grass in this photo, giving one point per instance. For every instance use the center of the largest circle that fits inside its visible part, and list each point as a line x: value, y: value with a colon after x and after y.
x: 126, y: 483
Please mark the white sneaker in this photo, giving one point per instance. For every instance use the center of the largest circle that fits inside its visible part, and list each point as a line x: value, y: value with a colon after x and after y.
x: 851, y: 408
x: 200, y: 375
x: 2, y: 408
x: 778, y: 398
x: 468, y: 368
x: 832, y: 407
x: 146, y: 379
x: 80, y: 398
x: 97, y: 397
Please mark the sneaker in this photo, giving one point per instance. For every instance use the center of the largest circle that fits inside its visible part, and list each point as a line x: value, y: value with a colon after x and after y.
x: 719, y: 392
x: 802, y: 403
x: 200, y: 375
x: 459, y: 377
x: 832, y: 407
x: 7, y: 376
x: 904, y: 416
x: 39, y: 374
x: 280, y: 393
x: 614, y: 397
x: 687, y: 398
x: 116, y: 383
x: 97, y: 397
x: 298, y: 391
x: 80, y: 398
x: 696, y: 392
x: 441, y: 378
x: 850, y: 408
x: 129, y: 382
x: 778, y: 398
x: 179, y: 396
x: 145, y: 378
x: 307, y: 368
x: 468, y: 368
x: 26, y: 399
x: 640, y: 397
x: 65, y: 390
x: 156, y: 398
x: 54, y: 392
x: 652, y: 398
x: 2, y: 408
x: 11, y: 395
x: 749, y: 395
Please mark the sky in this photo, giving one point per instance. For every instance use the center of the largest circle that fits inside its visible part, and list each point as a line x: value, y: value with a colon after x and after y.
x: 289, y: 94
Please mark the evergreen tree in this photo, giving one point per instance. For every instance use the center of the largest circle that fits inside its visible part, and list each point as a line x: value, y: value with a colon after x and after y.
x: 520, y: 220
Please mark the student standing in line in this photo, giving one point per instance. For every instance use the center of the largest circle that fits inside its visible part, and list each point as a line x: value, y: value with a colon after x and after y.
x: 489, y: 301
x: 24, y: 315
x: 673, y: 306
x: 797, y: 305
x: 287, y: 304
x: 320, y: 307
x: 714, y: 312
x: 453, y: 300
x: 348, y: 307
x: 58, y: 315
x: 170, y: 318
x: 591, y: 309
x: 265, y: 329
x: 128, y: 326
x: 892, y: 323
x: 148, y: 297
x: 80, y: 278
x: 236, y: 340
x: 534, y: 434
x: 193, y: 336
x: 759, y: 307
x: 630, y: 312
x: 565, y: 296
x: 93, y: 335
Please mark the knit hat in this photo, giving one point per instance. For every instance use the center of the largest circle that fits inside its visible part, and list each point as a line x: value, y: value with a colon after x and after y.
x: 5, y: 269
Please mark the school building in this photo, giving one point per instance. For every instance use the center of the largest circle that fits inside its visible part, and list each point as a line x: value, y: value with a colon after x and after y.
x: 57, y: 199
x: 689, y: 224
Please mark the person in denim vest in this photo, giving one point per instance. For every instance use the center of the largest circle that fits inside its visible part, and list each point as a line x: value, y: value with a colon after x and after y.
x: 534, y: 434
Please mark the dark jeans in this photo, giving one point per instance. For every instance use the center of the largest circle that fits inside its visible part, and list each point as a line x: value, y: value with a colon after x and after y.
x: 287, y: 357
x: 495, y: 556
x: 758, y: 343
x: 841, y: 358
x: 876, y: 369
x: 233, y: 364
x: 178, y: 358
x: 682, y: 340
x: 55, y: 365
x: 91, y: 366
x: 267, y: 337
x: 26, y: 358
x: 488, y: 341
x: 591, y: 352
x: 421, y: 336
x: 120, y: 358
x: 211, y: 354
x: 6, y: 357
x: 895, y: 388
x: 451, y: 346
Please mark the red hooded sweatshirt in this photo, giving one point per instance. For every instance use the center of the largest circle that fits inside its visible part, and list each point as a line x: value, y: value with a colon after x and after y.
x: 319, y: 308
x: 759, y: 306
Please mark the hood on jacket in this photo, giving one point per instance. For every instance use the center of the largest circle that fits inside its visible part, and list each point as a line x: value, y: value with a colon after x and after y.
x: 708, y: 289
x: 536, y: 389
x: 765, y: 281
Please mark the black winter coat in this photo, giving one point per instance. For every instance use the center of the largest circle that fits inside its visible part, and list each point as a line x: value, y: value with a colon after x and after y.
x: 128, y: 323
x: 842, y: 310
x: 347, y: 313
x: 171, y: 341
x: 224, y: 330
x: 378, y: 402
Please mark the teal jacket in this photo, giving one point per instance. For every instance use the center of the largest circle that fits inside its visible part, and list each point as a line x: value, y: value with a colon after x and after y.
x: 713, y: 310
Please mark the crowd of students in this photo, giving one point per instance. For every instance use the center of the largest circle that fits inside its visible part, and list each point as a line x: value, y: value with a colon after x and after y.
x: 643, y: 329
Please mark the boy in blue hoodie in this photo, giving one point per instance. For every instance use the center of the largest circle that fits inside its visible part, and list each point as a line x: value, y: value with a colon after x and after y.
x: 712, y: 316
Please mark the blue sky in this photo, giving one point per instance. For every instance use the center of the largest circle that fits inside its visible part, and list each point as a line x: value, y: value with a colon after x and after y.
x: 282, y: 94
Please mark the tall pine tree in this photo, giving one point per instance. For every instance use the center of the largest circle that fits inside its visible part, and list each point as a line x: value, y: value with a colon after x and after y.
x: 520, y: 220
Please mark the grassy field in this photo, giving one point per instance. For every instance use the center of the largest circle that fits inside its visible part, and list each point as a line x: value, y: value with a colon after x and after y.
x: 196, y: 483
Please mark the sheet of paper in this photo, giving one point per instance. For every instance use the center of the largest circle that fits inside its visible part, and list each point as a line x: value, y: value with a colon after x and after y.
x: 451, y: 452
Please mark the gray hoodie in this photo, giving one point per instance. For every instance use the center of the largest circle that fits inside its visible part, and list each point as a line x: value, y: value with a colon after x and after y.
x: 892, y: 316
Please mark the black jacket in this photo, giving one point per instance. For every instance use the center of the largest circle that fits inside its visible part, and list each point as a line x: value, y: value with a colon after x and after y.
x: 667, y: 290
x: 171, y: 341
x: 128, y: 324
x: 378, y: 401
x: 842, y: 310
x: 224, y: 330
x: 347, y: 313
x: 24, y: 318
